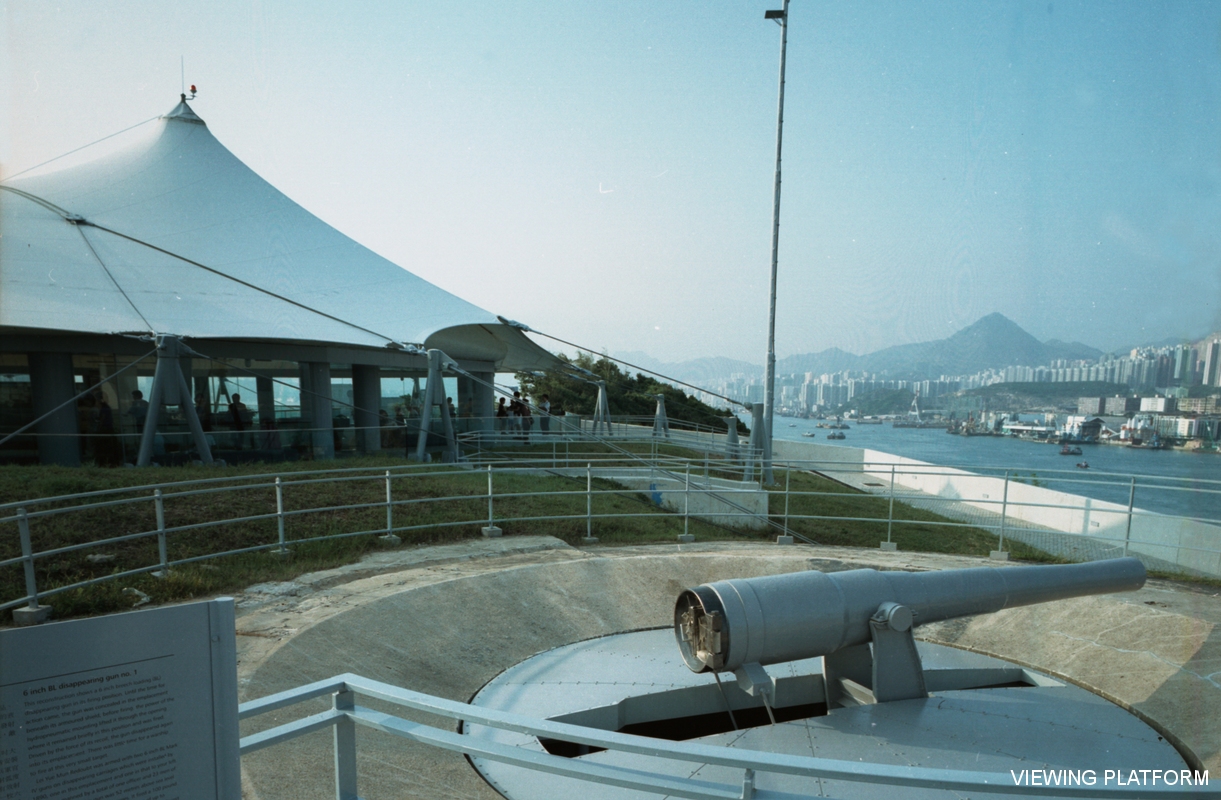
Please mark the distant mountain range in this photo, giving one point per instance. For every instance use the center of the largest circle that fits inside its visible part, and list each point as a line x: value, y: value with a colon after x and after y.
x: 993, y: 342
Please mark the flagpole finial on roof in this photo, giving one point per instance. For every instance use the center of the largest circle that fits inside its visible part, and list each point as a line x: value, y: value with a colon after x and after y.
x: 183, y: 112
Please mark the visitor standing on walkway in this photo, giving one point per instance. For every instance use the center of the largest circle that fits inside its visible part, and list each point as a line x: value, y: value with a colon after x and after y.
x: 502, y: 416
x: 544, y: 414
x: 527, y: 421
x: 239, y: 416
x: 515, y: 409
x: 138, y: 410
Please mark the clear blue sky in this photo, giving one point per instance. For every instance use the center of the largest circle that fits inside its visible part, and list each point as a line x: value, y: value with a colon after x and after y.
x: 603, y: 172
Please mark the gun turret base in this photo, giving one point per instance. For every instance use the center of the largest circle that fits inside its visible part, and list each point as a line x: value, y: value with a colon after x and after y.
x: 982, y: 714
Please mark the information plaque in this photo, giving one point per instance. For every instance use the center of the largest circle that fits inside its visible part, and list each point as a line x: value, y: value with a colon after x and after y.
x: 134, y: 706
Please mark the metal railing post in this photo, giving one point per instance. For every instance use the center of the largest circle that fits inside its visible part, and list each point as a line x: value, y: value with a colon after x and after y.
x: 890, y: 513
x: 1131, y: 501
x: 491, y: 513
x: 280, y: 515
x: 687, y: 500
x: 159, y: 504
x: 1000, y: 547
x: 788, y: 479
x: 27, y: 553
x: 589, y: 501
x: 389, y: 506
x: 345, y: 747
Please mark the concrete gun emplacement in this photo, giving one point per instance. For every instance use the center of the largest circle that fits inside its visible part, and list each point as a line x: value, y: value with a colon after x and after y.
x: 743, y: 624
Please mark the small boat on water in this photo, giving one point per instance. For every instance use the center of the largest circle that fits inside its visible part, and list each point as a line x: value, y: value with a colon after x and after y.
x: 809, y: 434
x: 836, y: 435
x: 1083, y: 465
x: 1070, y: 451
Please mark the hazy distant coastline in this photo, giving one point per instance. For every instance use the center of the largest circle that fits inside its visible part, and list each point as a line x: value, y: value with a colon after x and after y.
x: 993, y: 342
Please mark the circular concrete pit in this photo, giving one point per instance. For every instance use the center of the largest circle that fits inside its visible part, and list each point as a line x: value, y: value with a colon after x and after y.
x: 448, y: 621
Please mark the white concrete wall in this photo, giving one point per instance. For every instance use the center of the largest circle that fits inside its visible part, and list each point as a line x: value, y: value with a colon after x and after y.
x: 1193, y: 546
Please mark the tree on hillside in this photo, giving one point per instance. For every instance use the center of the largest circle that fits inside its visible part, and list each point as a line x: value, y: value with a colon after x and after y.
x: 625, y: 395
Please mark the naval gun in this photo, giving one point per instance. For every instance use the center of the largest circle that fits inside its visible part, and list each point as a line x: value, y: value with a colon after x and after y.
x: 743, y: 624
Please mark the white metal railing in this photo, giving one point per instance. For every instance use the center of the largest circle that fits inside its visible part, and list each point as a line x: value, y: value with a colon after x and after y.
x: 996, y: 503
x: 25, y: 513
x: 345, y: 714
x: 287, y: 434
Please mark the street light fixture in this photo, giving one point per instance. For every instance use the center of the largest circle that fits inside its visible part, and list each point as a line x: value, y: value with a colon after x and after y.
x: 769, y: 381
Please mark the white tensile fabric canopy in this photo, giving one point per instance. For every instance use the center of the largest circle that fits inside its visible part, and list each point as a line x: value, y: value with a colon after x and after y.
x: 175, y: 235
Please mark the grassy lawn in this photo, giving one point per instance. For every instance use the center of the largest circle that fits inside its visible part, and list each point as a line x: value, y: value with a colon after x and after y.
x: 925, y: 531
x: 419, y: 518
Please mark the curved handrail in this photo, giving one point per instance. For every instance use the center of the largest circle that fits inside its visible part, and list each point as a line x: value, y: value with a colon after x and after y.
x: 692, y: 478
x: 344, y: 688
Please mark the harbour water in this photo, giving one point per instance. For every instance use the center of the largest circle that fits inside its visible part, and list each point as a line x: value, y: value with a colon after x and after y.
x: 1111, y: 468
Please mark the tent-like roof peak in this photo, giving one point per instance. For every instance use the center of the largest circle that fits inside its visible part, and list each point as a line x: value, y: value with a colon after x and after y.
x: 184, y: 238
x: 183, y: 112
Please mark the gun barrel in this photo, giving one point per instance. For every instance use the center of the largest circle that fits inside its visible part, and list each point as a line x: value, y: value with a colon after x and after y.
x: 723, y: 625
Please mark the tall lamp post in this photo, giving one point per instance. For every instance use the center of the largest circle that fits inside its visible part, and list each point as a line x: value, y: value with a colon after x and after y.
x: 769, y: 381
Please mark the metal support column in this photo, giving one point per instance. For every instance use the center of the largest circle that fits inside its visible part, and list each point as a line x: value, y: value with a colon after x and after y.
x: 602, y: 410
x: 367, y: 397
x: 428, y: 398
x: 447, y: 427
x: 485, y: 402
x: 661, y: 425
x: 52, y: 384
x: 731, y: 439
x: 316, y: 406
x: 434, y: 394
x: 465, y: 404
x: 754, y: 450
x: 170, y: 388
x: 265, y: 389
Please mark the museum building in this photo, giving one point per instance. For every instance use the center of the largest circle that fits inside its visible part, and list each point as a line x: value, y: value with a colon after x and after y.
x: 168, y: 246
